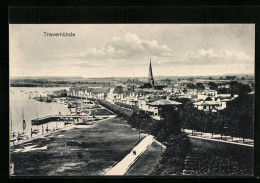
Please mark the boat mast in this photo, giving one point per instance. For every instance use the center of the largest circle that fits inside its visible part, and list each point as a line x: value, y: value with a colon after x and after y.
x: 11, y: 123
x: 24, y: 124
x: 37, y: 119
x: 23, y: 113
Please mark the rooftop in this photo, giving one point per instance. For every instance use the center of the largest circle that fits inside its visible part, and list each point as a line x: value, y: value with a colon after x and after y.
x: 165, y: 102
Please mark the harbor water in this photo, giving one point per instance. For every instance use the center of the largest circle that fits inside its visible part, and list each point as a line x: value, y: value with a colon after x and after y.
x: 23, y: 106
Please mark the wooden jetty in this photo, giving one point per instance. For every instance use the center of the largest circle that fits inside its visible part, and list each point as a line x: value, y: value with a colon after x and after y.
x: 50, y: 118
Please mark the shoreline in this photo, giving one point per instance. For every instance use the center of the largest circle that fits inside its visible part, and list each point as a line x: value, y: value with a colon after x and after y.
x: 68, y: 127
x: 94, y: 149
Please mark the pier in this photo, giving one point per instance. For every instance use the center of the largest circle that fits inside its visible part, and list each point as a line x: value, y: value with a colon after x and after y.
x: 50, y: 118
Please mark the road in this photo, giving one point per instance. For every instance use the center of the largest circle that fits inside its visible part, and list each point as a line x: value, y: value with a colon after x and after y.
x: 122, y: 167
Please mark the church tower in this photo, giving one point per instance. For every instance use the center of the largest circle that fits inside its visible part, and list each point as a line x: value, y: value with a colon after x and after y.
x: 150, y: 77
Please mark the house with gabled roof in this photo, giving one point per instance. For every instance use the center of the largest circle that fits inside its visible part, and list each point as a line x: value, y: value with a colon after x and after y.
x: 160, y: 106
x: 145, y: 100
x: 213, y: 104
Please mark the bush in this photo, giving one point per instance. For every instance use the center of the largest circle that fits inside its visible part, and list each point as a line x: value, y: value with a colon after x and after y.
x: 172, y: 162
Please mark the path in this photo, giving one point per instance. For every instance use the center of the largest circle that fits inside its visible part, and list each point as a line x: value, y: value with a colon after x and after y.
x: 122, y: 167
x: 217, y: 138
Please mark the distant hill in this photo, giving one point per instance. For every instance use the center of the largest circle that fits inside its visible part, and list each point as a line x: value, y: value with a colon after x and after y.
x: 48, y: 77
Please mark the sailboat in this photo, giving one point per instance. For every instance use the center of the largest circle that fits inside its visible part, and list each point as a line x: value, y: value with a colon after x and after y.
x: 47, y: 128
x: 22, y: 135
x: 36, y: 131
x: 12, y: 134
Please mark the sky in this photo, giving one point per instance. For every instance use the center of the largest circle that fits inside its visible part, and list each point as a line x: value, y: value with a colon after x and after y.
x: 124, y: 50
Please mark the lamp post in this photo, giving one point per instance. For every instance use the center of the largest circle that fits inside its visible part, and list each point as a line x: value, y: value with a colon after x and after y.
x: 139, y: 131
x: 139, y: 125
x: 225, y: 131
x: 161, y: 147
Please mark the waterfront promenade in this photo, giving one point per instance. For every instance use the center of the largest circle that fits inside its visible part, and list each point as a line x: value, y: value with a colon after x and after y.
x: 218, y: 138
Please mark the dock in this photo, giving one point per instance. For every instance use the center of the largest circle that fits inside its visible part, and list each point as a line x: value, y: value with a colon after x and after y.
x: 46, y: 119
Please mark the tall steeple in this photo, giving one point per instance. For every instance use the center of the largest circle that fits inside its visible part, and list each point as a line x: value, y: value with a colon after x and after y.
x: 150, y: 76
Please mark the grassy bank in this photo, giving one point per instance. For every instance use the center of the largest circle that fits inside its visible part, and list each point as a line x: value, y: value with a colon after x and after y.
x: 145, y: 164
x: 77, y: 152
x: 220, y: 159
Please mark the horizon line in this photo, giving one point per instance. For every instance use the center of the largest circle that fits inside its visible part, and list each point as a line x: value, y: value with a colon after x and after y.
x: 82, y: 77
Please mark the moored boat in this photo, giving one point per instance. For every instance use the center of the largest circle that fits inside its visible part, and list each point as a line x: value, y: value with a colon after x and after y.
x: 22, y: 136
x: 35, y: 131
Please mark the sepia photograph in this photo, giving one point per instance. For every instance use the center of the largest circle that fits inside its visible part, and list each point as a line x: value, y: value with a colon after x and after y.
x: 131, y: 99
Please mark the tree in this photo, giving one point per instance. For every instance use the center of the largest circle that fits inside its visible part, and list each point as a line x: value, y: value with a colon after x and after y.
x: 230, y: 77
x: 244, y: 89
x: 188, y: 114
x: 172, y: 162
x: 154, y: 127
x: 240, y: 112
x: 210, y: 124
x: 167, y: 80
x: 253, y: 85
x: 119, y: 90
x: 200, y: 86
x: 140, y: 120
x: 190, y: 86
x: 212, y: 85
x: 233, y: 88
x: 171, y: 124
x: 190, y: 79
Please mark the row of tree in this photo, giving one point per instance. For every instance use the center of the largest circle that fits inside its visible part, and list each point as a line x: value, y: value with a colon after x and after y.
x: 236, y: 120
x: 234, y: 87
x: 121, y: 112
x: 198, y: 86
x: 131, y: 107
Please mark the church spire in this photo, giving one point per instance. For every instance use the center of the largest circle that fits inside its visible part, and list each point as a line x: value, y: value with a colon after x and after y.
x: 150, y: 77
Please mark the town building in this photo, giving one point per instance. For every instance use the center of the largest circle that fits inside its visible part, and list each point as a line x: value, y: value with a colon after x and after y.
x: 211, y: 104
x: 159, y: 107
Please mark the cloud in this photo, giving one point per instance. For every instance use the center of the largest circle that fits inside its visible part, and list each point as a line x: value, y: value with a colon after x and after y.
x: 129, y: 46
x: 209, y: 56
